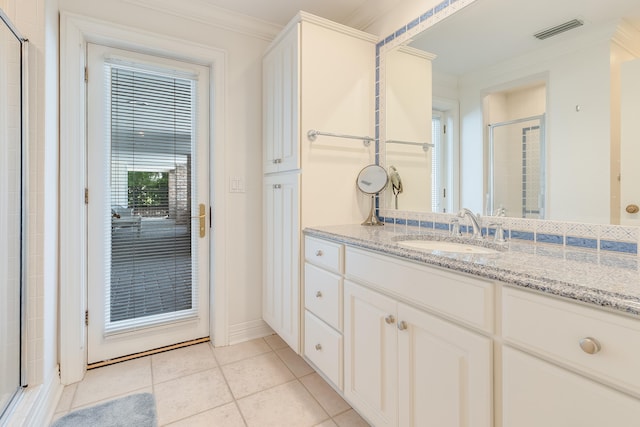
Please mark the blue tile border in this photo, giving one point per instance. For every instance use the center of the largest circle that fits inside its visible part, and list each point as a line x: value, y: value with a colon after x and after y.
x: 582, y: 242
x: 614, y: 246
x: 550, y: 238
x: 522, y: 235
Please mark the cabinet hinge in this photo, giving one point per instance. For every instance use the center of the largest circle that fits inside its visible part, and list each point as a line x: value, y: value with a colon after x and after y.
x: 86, y: 318
x: 86, y: 196
x: 86, y: 74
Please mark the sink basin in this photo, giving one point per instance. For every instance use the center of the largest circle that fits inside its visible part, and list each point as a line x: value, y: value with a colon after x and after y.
x: 444, y: 246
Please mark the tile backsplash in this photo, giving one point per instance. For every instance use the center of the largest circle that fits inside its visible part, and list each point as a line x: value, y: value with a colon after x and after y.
x: 597, y: 237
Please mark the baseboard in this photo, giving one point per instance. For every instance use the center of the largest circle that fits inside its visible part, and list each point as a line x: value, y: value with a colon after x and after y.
x: 248, y: 331
x: 37, y: 404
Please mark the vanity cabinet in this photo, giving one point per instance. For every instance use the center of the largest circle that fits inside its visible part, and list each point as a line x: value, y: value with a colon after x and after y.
x: 405, y: 366
x: 425, y: 346
x: 323, y: 284
x: 320, y: 75
x: 566, y: 364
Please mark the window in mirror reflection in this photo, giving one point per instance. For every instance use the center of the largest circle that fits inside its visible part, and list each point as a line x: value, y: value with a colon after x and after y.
x: 516, y: 152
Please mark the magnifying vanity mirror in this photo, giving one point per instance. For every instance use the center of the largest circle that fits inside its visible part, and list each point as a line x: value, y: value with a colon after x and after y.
x: 531, y: 125
x: 371, y: 180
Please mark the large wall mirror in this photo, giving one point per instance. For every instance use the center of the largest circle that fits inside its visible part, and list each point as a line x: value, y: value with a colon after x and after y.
x: 12, y: 211
x: 500, y: 120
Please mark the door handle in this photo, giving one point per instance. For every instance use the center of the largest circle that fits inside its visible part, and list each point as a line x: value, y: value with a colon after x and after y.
x: 202, y: 217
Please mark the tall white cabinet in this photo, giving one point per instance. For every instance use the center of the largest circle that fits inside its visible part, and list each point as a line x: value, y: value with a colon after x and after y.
x: 316, y: 75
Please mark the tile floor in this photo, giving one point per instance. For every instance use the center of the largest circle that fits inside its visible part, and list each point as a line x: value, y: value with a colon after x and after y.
x: 256, y: 383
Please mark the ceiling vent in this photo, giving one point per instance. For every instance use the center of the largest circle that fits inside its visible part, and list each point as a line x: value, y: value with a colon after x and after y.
x: 553, y: 31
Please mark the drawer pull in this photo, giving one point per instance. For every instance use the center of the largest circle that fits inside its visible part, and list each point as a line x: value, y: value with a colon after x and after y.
x: 318, y: 294
x: 590, y: 345
x: 402, y: 325
x: 319, y: 252
x: 390, y: 319
x: 318, y: 347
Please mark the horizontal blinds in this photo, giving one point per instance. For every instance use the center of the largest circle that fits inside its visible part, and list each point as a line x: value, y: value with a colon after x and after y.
x: 151, y: 273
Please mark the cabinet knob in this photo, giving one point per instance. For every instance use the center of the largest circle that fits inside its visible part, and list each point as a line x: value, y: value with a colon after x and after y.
x: 319, y: 252
x: 277, y: 161
x: 318, y: 347
x: 390, y: 319
x: 590, y: 345
x: 402, y: 325
x: 277, y: 186
x: 318, y: 294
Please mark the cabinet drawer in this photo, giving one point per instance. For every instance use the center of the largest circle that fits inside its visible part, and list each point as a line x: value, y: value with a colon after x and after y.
x: 325, y: 254
x: 323, y: 295
x: 555, y: 328
x: 460, y: 297
x: 323, y: 347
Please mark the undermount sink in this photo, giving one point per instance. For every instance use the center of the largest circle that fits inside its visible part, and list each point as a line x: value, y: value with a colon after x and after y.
x: 444, y: 246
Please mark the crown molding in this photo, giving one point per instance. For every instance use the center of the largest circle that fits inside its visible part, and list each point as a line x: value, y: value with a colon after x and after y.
x: 205, y: 13
x: 628, y: 37
x: 302, y: 16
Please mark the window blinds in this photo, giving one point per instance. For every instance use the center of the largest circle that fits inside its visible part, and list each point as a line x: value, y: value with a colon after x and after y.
x: 151, y: 273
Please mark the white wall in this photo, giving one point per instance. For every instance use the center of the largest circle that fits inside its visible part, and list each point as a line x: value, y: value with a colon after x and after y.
x: 243, y: 138
x: 578, y: 150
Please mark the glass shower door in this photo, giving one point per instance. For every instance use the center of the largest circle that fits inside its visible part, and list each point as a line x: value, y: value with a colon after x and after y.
x: 12, y: 213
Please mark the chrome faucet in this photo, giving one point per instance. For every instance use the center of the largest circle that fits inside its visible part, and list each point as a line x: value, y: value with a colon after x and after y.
x: 477, y: 231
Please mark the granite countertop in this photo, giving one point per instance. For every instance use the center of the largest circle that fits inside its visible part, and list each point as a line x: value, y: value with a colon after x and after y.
x: 605, y: 280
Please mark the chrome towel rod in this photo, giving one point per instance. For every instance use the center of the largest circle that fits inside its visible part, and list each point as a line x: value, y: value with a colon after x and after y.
x: 313, y: 134
x: 425, y: 145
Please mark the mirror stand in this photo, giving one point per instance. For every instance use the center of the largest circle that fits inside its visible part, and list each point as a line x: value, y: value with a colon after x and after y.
x: 372, y: 219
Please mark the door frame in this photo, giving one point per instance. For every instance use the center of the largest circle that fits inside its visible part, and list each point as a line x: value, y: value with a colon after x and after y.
x: 75, y: 32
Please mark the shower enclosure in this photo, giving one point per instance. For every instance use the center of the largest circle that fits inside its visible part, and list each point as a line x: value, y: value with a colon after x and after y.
x: 516, y: 168
x: 13, y: 198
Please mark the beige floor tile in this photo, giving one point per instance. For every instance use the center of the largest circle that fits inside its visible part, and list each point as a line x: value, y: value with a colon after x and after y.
x: 275, y: 342
x: 325, y: 395
x: 224, y: 416
x: 190, y: 395
x: 256, y: 374
x: 148, y: 389
x: 294, y: 362
x: 181, y: 362
x: 233, y: 353
x: 286, y: 405
x: 350, y: 419
x: 111, y: 381
x: 328, y: 423
x: 64, y: 404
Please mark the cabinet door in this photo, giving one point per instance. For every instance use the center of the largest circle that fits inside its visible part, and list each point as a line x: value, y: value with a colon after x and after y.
x: 280, y: 104
x: 281, y: 290
x: 537, y: 393
x: 370, y: 354
x: 445, y: 375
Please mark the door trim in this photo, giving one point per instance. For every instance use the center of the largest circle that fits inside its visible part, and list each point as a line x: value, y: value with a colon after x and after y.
x: 75, y: 32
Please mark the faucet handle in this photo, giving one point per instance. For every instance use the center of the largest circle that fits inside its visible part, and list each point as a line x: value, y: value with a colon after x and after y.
x: 454, y: 227
x: 499, y: 236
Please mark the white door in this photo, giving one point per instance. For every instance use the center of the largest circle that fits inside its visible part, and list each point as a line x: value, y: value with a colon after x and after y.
x: 148, y: 207
x: 629, y: 147
x: 281, y: 285
x: 371, y: 354
x: 445, y: 373
x: 537, y: 394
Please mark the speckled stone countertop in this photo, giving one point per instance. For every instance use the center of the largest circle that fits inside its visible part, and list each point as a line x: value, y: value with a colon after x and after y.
x: 606, y: 280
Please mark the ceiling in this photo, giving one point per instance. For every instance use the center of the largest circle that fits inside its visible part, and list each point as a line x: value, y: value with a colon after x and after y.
x: 347, y: 12
x: 474, y: 38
